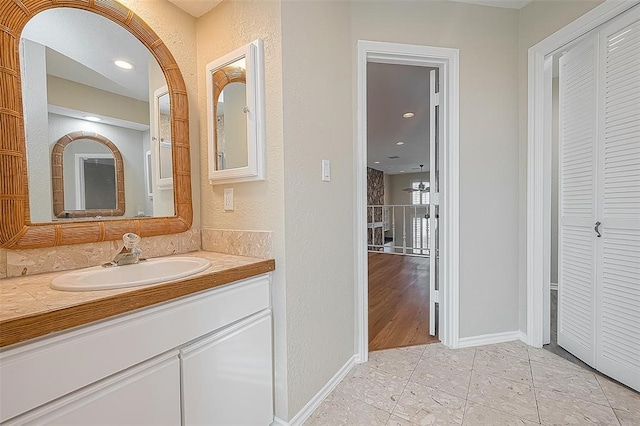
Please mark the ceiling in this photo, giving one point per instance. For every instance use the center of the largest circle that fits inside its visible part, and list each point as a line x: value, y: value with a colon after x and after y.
x: 393, y: 90
x: 196, y: 8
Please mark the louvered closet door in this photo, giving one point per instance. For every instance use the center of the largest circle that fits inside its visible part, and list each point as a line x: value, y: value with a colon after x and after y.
x: 577, y: 200
x: 618, y: 348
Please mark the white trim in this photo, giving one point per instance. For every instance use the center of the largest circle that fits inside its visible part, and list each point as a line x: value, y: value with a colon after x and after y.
x: 315, y: 402
x: 553, y: 287
x: 538, y: 168
x: 489, y: 339
x: 446, y: 60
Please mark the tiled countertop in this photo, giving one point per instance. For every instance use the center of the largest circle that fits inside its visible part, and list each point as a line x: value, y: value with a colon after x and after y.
x: 29, y: 308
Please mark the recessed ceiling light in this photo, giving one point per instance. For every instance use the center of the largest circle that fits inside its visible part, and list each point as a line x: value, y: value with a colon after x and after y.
x: 408, y: 114
x: 123, y: 64
x: 92, y: 118
x: 400, y: 143
x: 376, y: 162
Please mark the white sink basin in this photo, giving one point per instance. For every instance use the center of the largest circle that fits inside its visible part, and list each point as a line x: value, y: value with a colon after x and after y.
x: 146, y: 272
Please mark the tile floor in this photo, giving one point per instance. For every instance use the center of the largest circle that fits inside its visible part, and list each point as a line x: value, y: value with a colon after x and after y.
x: 501, y: 384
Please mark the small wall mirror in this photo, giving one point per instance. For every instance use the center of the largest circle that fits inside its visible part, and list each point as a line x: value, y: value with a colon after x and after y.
x: 235, y: 101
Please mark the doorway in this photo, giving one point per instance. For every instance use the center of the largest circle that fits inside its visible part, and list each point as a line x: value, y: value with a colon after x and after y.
x: 446, y: 62
x: 402, y: 185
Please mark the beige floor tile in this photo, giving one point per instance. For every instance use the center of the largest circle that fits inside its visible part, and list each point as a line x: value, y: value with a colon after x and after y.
x: 581, y: 384
x: 559, y: 408
x: 549, y: 358
x: 426, y: 406
x: 373, y: 386
x: 481, y: 415
x: 457, y: 358
x: 515, y: 349
x: 397, y: 421
x: 628, y: 418
x: 452, y: 380
x: 505, y: 366
x: 504, y: 395
x: 398, y: 362
x: 339, y: 409
x: 419, y: 349
x: 620, y: 397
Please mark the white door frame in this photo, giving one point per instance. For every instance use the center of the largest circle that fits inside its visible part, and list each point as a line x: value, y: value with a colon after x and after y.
x: 539, y: 160
x: 447, y: 61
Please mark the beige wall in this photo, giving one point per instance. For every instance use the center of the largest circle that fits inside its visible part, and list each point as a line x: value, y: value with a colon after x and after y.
x: 319, y: 224
x: 538, y: 20
x: 258, y: 205
x: 487, y: 40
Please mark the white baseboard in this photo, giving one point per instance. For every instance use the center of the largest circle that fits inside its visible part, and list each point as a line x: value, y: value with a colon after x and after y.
x: 308, y: 409
x: 488, y: 339
x: 553, y: 286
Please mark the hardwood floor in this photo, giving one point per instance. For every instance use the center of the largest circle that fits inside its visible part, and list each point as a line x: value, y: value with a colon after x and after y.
x: 398, y: 301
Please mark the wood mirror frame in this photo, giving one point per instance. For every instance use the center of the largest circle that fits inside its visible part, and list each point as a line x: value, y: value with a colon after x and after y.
x: 16, y: 229
x: 57, y: 177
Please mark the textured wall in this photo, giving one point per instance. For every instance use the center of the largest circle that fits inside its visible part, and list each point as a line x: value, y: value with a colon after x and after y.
x: 258, y: 205
x: 537, y: 21
x: 319, y: 221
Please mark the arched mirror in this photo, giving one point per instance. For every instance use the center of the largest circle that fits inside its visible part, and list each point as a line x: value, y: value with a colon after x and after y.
x: 235, y: 99
x: 87, y: 177
x: 92, y: 68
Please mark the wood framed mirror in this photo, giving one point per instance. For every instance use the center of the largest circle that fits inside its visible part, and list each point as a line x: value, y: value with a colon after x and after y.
x: 76, y: 204
x: 17, y: 230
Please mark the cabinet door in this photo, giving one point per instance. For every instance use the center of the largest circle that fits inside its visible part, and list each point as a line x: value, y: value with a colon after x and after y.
x: 145, y: 395
x: 227, y: 377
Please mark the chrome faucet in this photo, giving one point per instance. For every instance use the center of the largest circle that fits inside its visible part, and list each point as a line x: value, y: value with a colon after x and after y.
x: 129, y: 254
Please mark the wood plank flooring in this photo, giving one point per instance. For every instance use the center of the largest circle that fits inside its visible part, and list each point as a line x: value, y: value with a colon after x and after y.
x: 398, y: 301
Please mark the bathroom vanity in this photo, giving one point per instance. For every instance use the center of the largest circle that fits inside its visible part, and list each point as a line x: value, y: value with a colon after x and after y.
x: 201, y: 356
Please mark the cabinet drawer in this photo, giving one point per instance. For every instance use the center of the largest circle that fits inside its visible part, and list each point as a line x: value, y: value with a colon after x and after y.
x: 148, y: 394
x: 36, y: 373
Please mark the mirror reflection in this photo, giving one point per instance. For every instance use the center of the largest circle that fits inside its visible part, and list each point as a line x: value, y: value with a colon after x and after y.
x: 87, y: 177
x: 230, y: 94
x: 82, y: 72
x: 93, y: 167
x: 163, y: 117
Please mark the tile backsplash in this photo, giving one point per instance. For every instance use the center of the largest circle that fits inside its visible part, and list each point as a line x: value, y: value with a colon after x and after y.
x: 241, y: 243
x: 15, y: 263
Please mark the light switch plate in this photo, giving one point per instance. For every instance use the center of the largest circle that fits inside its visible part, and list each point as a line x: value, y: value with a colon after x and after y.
x: 326, y: 170
x: 228, y: 199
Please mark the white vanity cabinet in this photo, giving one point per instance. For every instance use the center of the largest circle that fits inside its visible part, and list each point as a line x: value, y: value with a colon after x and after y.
x: 148, y: 394
x: 226, y: 376
x: 202, y: 359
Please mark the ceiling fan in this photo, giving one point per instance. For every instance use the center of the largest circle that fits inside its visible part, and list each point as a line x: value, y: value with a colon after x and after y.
x: 421, y: 187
